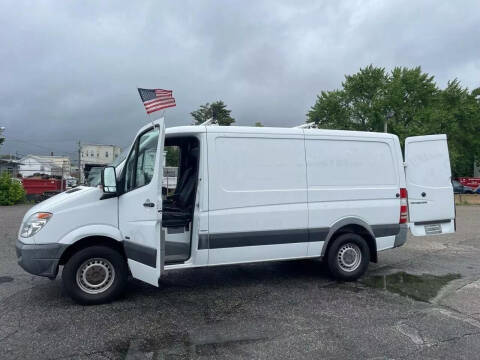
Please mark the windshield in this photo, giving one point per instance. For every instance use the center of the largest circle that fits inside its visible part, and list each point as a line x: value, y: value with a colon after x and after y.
x: 94, y: 176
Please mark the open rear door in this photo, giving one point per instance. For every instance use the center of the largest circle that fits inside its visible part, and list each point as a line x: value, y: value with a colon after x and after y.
x: 140, y: 205
x: 431, y: 204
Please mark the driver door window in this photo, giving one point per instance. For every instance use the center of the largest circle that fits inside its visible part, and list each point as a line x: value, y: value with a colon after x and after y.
x: 141, y: 162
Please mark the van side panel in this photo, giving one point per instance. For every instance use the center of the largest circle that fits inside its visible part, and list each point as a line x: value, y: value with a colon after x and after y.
x: 257, y: 197
x: 352, y: 177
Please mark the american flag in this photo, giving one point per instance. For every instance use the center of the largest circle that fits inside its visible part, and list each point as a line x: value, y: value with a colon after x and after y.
x: 156, y: 99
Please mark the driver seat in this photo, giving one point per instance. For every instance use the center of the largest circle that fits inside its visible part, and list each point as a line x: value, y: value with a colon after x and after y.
x: 179, y: 211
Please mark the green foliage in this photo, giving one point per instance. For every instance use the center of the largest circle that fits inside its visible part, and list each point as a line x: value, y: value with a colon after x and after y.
x: 11, y: 191
x: 412, y: 104
x: 331, y: 111
x: 258, y: 124
x: 476, y: 93
x: 173, y: 154
x: 216, y: 110
x: 457, y: 114
x: 2, y: 138
x: 364, y: 94
x: 411, y: 95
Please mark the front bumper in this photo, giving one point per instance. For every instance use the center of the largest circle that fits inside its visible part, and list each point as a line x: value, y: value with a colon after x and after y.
x: 40, y: 259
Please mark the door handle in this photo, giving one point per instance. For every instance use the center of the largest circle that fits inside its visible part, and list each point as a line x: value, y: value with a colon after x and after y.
x: 423, y: 194
x: 148, y: 204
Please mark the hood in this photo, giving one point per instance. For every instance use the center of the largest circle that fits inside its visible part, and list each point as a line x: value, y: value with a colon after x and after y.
x: 77, y: 208
x: 77, y: 196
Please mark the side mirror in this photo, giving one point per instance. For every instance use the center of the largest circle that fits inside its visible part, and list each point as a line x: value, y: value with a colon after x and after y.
x: 109, y: 180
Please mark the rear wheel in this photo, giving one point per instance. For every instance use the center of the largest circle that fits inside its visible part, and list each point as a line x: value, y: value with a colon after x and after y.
x: 348, y: 257
x: 95, y: 275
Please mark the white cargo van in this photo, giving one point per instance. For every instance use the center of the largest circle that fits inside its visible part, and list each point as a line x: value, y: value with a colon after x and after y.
x: 243, y: 194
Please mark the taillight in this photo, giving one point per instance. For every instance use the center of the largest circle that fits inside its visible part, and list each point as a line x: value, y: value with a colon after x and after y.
x: 403, y: 206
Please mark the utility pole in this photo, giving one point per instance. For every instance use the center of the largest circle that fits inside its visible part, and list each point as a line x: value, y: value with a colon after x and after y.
x: 79, y: 163
x: 2, y: 129
x: 61, y: 178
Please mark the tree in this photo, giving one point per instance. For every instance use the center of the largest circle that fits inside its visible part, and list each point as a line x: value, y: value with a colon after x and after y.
x: 456, y: 113
x: 2, y: 138
x: 410, y: 96
x: 416, y: 105
x: 369, y: 95
x: 172, y: 156
x: 476, y: 93
x: 331, y: 111
x: 364, y: 94
x: 217, y: 111
x: 258, y: 124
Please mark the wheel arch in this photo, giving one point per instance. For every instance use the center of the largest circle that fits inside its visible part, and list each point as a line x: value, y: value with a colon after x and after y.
x: 356, y: 226
x: 91, y: 241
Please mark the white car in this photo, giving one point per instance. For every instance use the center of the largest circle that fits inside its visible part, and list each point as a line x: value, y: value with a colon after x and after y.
x: 243, y: 194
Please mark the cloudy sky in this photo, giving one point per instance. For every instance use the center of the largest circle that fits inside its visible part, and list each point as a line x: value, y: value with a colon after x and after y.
x: 69, y: 69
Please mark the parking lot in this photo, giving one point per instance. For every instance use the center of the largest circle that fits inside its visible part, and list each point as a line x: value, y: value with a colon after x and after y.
x: 420, y: 301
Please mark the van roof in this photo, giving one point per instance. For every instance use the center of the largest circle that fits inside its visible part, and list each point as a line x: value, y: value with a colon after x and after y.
x: 195, y: 129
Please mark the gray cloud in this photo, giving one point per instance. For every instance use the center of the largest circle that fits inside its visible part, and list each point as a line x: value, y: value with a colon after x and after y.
x: 70, y: 70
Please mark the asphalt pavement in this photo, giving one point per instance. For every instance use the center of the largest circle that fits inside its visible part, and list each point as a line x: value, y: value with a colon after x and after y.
x: 421, y: 301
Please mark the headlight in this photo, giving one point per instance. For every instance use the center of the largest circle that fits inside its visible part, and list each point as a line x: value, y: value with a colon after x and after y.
x: 35, y: 223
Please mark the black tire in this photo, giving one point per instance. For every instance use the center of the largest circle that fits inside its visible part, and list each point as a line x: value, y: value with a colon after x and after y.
x: 95, y: 266
x: 343, y: 252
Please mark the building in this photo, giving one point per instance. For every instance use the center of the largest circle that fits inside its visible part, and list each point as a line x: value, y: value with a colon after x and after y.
x: 94, y: 156
x: 9, y: 165
x: 45, y: 165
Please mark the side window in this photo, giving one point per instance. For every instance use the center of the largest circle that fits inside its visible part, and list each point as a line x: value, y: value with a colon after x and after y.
x: 145, y: 166
x: 129, y: 169
x: 141, y: 162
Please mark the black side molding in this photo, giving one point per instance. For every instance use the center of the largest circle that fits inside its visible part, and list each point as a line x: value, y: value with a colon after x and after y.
x: 386, y: 230
x: 431, y: 222
x: 254, y: 238
x: 142, y: 254
x: 203, y: 242
x: 275, y: 237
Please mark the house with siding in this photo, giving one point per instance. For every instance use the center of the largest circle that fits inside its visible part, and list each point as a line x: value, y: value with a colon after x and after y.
x: 9, y: 165
x: 45, y: 165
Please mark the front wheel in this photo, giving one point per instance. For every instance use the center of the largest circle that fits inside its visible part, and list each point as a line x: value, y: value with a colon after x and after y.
x: 95, y: 275
x: 348, y: 257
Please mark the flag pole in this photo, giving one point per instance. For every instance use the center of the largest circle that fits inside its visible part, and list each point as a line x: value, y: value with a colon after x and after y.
x: 149, y: 116
x: 163, y: 114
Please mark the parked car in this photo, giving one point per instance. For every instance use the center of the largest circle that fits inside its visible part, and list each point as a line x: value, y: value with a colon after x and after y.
x: 71, y: 182
x: 468, y: 190
x: 458, y: 188
x: 244, y: 194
